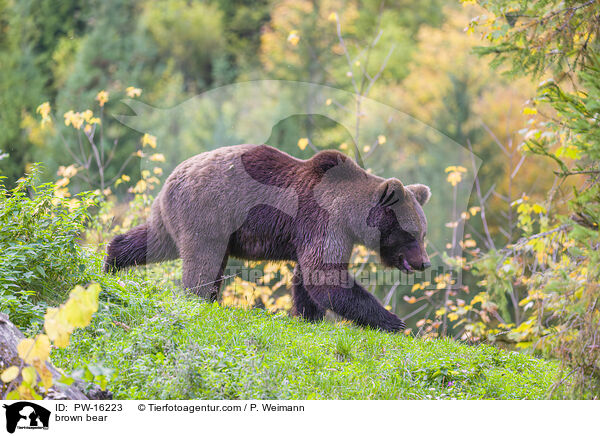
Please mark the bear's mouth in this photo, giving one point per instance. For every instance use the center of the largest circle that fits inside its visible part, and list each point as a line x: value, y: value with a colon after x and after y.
x: 404, y: 265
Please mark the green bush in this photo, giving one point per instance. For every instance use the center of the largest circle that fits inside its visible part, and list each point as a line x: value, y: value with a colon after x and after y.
x: 557, y: 261
x: 40, y: 256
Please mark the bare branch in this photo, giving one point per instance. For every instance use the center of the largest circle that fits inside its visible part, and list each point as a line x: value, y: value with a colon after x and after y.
x: 523, y: 241
x: 381, y: 69
x: 518, y: 167
x: 345, y: 49
x: 489, y: 241
x: 414, y: 312
x: 389, y: 295
x: 495, y: 138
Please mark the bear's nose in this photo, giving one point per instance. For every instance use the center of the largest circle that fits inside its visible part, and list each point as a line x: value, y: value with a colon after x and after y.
x: 425, y: 265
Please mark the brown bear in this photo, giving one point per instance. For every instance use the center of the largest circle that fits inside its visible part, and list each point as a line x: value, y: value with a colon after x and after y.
x: 256, y: 202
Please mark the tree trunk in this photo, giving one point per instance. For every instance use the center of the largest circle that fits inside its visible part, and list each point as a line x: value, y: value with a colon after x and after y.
x: 10, y: 336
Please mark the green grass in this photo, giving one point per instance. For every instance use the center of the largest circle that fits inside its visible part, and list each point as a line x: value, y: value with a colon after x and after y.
x: 162, y: 343
x: 178, y: 347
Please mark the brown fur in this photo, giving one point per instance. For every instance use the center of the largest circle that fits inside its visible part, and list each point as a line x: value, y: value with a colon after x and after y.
x: 256, y: 202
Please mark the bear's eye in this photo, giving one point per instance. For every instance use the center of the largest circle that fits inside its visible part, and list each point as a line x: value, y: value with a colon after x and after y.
x: 406, y: 237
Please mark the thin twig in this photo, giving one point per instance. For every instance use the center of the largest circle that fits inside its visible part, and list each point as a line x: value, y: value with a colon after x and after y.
x: 490, y: 241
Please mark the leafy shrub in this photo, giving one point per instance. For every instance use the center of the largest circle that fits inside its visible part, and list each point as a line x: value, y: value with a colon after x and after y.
x: 557, y: 261
x: 40, y: 254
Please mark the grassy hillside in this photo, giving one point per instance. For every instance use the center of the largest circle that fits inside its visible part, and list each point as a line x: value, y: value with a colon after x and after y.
x: 162, y: 344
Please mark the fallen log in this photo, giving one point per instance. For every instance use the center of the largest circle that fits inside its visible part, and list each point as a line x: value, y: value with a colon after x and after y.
x: 10, y: 336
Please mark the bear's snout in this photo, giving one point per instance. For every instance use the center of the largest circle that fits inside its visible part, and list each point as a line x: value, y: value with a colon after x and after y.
x: 414, y: 259
x: 424, y: 265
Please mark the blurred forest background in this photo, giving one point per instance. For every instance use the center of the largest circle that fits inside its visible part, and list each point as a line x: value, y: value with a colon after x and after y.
x: 516, y: 83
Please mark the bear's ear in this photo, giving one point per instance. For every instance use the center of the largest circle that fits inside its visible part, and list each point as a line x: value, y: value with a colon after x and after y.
x: 389, y: 192
x: 422, y: 192
x: 325, y: 160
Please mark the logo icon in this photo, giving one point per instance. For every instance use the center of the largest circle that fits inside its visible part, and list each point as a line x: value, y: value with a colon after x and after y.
x: 26, y: 415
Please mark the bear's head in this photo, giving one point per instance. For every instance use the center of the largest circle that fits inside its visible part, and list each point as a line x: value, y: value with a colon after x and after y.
x: 397, y: 214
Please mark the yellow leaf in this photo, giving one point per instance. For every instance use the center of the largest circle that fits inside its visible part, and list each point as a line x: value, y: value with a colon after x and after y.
x: 74, y: 118
x: 140, y: 187
x: 60, y: 183
x: 25, y: 392
x: 455, y: 168
x: 157, y: 157
x: 148, y: 140
x: 67, y: 172
x: 82, y: 304
x: 44, y: 373
x: 29, y: 375
x: 102, y: 97
x: 302, y: 143
x: 538, y: 208
x: 133, y: 92
x: 333, y: 17
x: 31, y: 349
x: 57, y: 329
x: 454, y: 178
x: 44, y: 111
x: 9, y: 374
x: 293, y: 38
x: 479, y: 298
x: 87, y: 115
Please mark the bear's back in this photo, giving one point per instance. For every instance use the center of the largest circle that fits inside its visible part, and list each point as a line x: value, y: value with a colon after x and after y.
x: 228, y: 182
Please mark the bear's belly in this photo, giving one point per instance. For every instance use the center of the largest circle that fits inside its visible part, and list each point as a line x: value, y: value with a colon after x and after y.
x: 267, y: 234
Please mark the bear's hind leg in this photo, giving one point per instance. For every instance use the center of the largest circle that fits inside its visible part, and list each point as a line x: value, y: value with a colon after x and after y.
x: 203, y: 266
x: 304, y: 306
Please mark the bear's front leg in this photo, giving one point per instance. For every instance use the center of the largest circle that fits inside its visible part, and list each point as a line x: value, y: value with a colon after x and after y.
x: 304, y: 306
x: 332, y: 287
